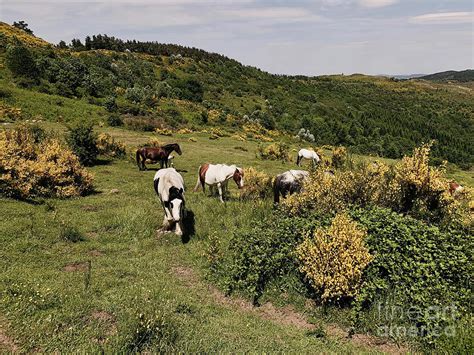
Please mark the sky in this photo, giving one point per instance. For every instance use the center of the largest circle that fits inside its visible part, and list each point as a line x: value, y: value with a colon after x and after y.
x: 282, y: 37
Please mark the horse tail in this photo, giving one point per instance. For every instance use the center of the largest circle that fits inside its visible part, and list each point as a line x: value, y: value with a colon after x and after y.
x: 155, y: 185
x: 298, y: 159
x: 198, y: 179
x: 137, y: 155
x: 276, y: 190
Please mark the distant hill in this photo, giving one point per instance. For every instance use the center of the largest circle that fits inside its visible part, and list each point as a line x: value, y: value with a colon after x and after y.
x: 151, y: 84
x: 403, y: 76
x: 461, y: 76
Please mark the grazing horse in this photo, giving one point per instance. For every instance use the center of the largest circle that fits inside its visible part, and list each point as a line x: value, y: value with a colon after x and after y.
x: 156, y: 154
x: 455, y: 188
x: 288, y: 183
x: 307, y: 154
x: 169, y: 186
x: 218, y: 175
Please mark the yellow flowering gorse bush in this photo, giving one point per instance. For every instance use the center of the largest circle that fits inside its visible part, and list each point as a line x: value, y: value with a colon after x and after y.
x: 29, y: 168
x: 410, y: 186
x: 334, y: 259
x: 339, y: 157
x: 274, y: 151
x: 9, y: 113
x: 257, y: 184
x: 107, y: 145
x: 164, y: 131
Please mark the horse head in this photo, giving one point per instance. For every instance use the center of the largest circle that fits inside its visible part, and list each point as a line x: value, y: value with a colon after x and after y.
x: 176, y: 203
x: 239, y: 177
x: 177, y: 148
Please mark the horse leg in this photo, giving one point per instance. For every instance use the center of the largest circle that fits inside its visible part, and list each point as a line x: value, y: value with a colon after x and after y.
x: 298, y: 160
x: 166, y: 224
x: 219, y: 187
x: 178, y: 228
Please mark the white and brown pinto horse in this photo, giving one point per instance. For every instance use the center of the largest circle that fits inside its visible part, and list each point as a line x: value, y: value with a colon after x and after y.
x: 219, y: 175
x: 308, y: 154
x: 169, y: 186
x: 288, y: 183
x: 455, y: 189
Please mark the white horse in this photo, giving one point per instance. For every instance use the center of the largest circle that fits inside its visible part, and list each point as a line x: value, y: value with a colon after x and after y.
x: 169, y: 186
x: 288, y: 183
x: 308, y: 154
x: 218, y: 175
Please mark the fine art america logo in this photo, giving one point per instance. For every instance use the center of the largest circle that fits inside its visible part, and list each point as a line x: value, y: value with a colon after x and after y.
x: 395, y: 321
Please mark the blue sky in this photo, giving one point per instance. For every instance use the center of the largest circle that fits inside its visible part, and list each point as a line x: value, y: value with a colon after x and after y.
x: 291, y: 37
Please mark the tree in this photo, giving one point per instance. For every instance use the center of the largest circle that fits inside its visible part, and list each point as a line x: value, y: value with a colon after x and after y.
x: 77, y: 44
x: 62, y: 45
x: 22, y: 25
x: 20, y: 61
x: 83, y: 142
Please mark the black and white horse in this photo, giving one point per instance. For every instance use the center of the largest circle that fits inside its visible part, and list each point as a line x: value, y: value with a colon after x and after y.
x: 288, y: 183
x: 169, y: 186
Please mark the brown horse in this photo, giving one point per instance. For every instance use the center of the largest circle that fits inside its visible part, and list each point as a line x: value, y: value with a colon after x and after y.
x: 160, y: 154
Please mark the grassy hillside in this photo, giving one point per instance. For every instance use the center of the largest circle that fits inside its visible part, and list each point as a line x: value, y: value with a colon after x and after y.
x: 157, y: 85
x: 461, y: 76
x: 52, y: 301
x: 94, y: 273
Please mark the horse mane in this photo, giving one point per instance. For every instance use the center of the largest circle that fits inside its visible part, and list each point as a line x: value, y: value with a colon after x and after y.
x: 169, y: 145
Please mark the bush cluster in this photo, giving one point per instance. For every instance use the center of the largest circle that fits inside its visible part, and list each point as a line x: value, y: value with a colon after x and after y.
x: 334, y: 259
x: 258, y: 184
x: 30, y: 167
x: 411, y: 186
x: 108, y: 146
x: 274, y: 151
x: 83, y: 142
x: 339, y: 157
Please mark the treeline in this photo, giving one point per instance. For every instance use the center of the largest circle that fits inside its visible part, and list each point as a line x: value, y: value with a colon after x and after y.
x: 102, y: 41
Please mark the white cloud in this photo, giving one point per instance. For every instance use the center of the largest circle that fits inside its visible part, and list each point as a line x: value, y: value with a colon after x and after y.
x: 376, y: 3
x: 444, y: 18
x: 269, y: 15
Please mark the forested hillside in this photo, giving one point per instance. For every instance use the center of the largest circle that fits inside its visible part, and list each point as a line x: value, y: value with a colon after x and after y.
x: 146, y: 85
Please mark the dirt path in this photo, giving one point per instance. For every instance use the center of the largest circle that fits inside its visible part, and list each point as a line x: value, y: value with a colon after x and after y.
x: 7, y: 345
x: 287, y: 315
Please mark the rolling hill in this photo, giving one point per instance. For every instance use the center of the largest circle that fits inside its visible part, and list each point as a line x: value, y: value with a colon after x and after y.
x: 461, y: 76
x: 149, y: 84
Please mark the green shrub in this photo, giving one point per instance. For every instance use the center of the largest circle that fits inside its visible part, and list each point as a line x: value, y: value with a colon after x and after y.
x: 83, y: 142
x: 261, y: 254
x: 114, y: 120
x: 21, y: 63
x: 420, y: 264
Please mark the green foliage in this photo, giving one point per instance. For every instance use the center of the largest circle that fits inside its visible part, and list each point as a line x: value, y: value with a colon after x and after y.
x: 369, y: 115
x: 261, y: 254
x: 83, y: 142
x: 22, y: 25
x: 114, y: 120
x: 21, y: 62
x: 422, y: 265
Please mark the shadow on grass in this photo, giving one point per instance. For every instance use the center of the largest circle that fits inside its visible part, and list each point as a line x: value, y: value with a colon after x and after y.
x: 102, y: 162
